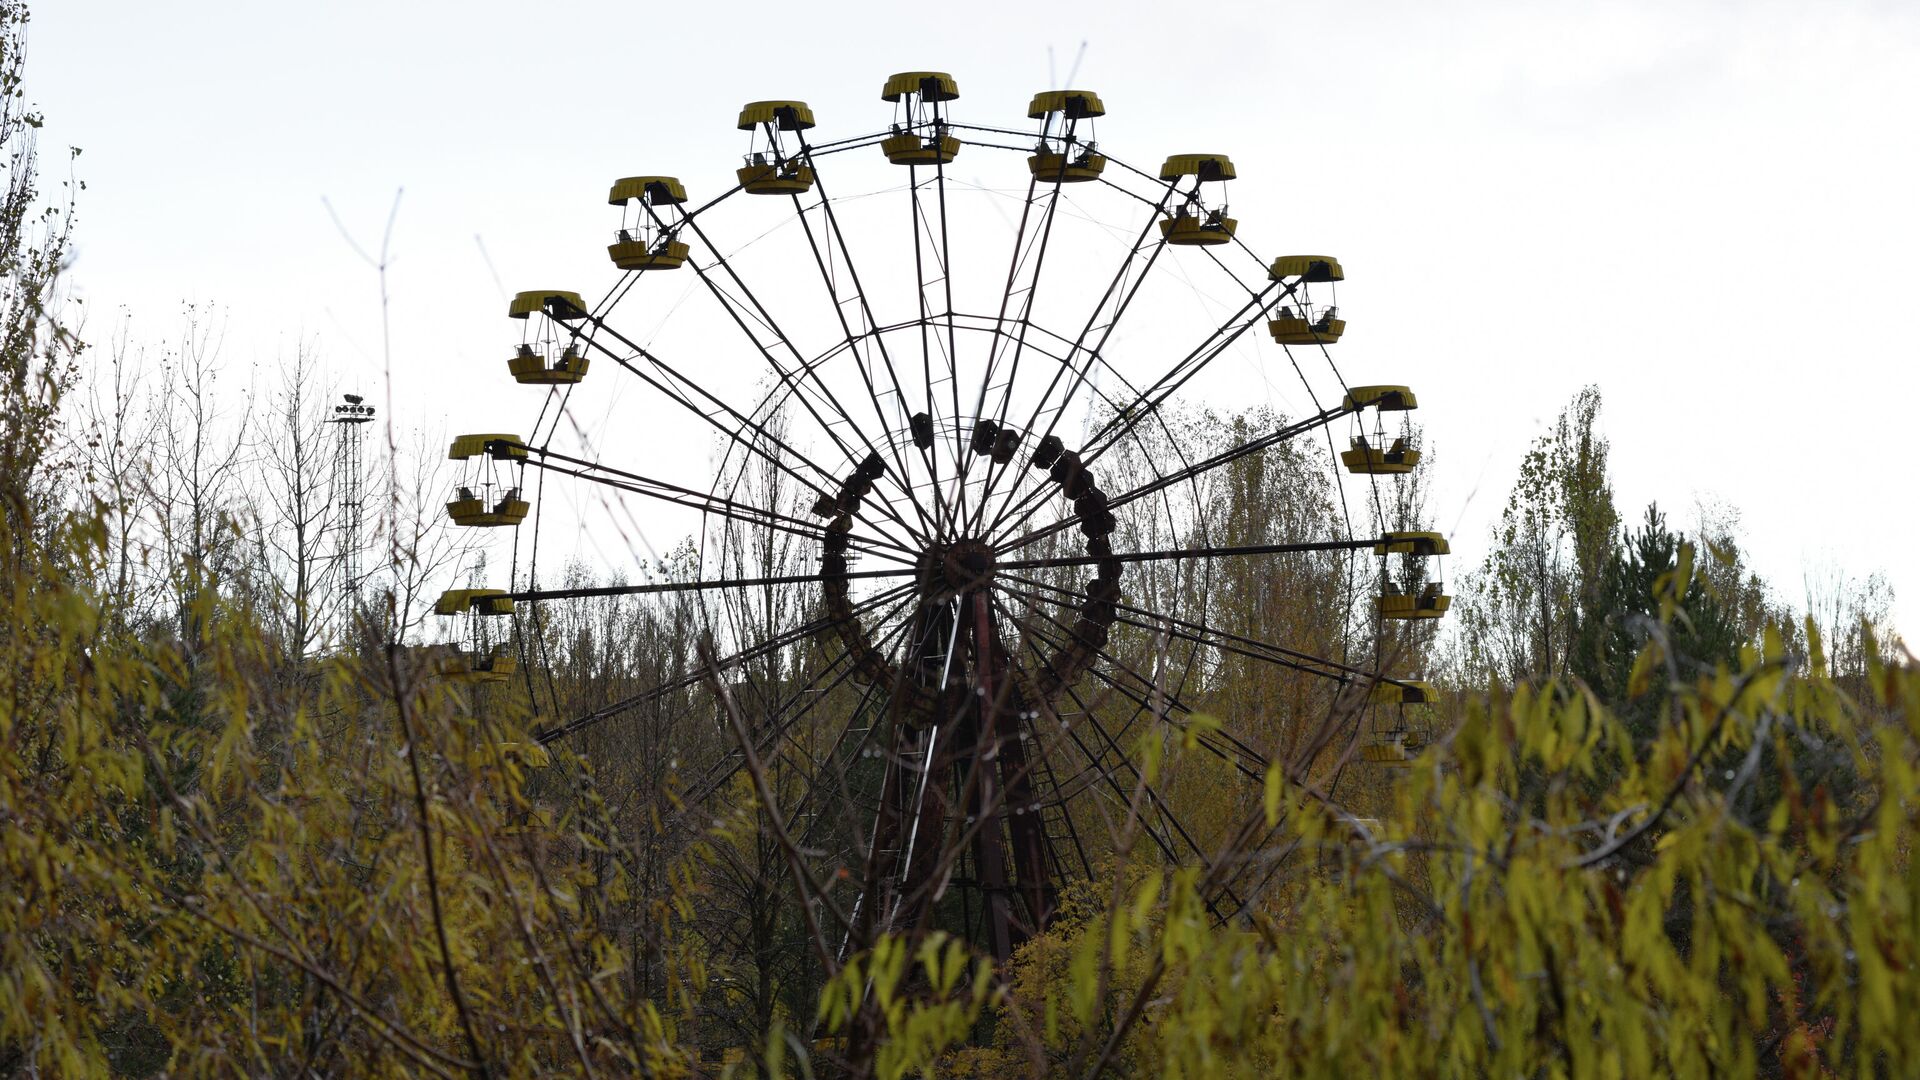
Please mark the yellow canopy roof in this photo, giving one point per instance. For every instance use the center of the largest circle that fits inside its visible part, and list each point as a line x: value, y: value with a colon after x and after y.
x: 790, y: 115
x: 1403, y: 692
x: 455, y: 601
x: 942, y: 87
x: 1204, y: 166
x: 1413, y: 543
x: 1311, y: 267
x: 1389, y: 398
x: 467, y: 446
x: 558, y: 302
x: 658, y: 190
x: 1077, y: 104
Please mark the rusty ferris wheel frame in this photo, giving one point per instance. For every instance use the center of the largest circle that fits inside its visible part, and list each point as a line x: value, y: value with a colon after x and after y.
x: 969, y: 667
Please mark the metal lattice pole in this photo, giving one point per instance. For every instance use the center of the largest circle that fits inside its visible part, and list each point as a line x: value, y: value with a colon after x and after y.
x: 349, y: 495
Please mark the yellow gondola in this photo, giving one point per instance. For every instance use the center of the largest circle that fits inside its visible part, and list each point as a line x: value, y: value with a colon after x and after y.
x: 473, y: 502
x: 1301, y: 321
x: 1060, y: 157
x: 642, y: 243
x: 549, y: 353
x: 1398, y: 743
x: 920, y: 129
x: 478, y: 664
x: 1428, y: 598
x: 1192, y: 223
x: 770, y: 168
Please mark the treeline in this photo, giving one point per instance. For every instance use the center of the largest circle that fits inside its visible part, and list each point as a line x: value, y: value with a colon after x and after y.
x: 1567, y: 585
x: 1660, y: 822
x: 212, y: 477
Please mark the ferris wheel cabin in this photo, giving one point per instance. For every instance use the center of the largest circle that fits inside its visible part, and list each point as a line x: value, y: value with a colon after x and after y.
x: 549, y: 351
x: 772, y: 167
x: 1401, y: 730
x: 1372, y: 453
x: 474, y: 501
x: 919, y: 134
x: 1301, y: 320
x: 1064, y: 155
x: 476, y: 661
x: 645, y: 240
x: 1412, y: 596
x: 1194, y: 222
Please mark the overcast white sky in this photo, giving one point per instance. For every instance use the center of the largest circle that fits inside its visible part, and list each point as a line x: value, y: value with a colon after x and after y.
x: 1708, y: 209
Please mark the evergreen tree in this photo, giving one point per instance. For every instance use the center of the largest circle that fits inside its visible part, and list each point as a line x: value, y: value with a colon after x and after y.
x: 1624, y: 611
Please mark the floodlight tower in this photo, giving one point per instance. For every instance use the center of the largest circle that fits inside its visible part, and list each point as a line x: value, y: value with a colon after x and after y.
x: 349, y: 492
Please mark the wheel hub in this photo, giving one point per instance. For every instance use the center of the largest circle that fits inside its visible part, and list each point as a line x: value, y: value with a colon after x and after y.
x: 962, y: 566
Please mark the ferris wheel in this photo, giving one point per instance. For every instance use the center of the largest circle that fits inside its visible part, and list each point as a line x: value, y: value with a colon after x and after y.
x: 950, y: 459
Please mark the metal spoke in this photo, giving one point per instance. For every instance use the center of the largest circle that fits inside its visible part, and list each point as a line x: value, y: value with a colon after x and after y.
x: 846, y: 257
x: 1242, y: 757
x: 638, y: 484
x: 995, y: 470
x: 890, y: 649
x: 1239, y: 644
x: 1186, y: 553
x: 1097, y: 761
x: 781, y: 724
x: 931, y: 453
x: 822, y: 260
x: 759, y: 429
x: 650, y: 588
x: 1189, y: 472
x: 1094, y: 353
x: 787, y: 377
x: 1160, y: 806
x: 1145, y: 403
x: 771, y: 645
